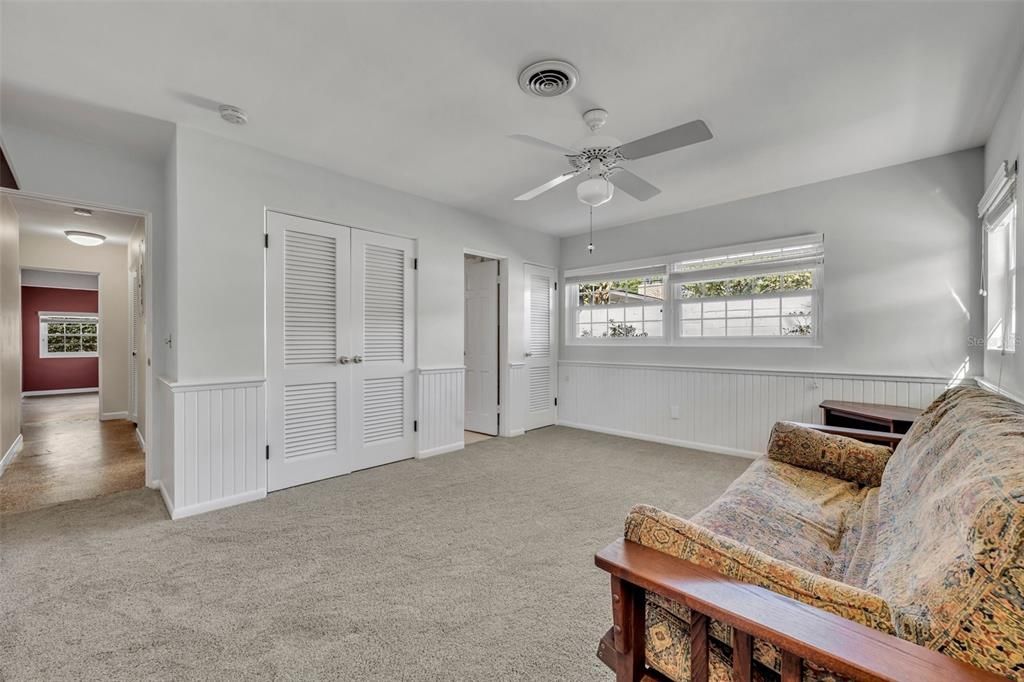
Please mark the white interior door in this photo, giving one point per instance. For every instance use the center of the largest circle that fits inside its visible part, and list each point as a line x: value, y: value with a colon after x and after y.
x: 383, y: 348
x: 308, y: 376
x: 539, y: 292
x: 133, y: 345
x: 481, y: 346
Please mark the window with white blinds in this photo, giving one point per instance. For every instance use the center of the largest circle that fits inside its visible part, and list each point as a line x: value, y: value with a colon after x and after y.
x: 998, y: 211
x: 764, y: 293
x: 68, y: 335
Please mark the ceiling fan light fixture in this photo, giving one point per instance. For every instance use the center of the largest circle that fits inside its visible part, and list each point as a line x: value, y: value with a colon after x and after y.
x: 595, y: 191
x: 84, y: 238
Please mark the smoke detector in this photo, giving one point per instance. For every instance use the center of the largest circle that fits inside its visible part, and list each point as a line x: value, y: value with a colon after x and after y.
x: 233, y: 114
x: 549, y: 78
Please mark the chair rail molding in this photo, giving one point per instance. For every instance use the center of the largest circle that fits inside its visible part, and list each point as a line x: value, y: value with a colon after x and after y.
x: 440, y: 410
x: 215, y: 434
x: 725, y: 410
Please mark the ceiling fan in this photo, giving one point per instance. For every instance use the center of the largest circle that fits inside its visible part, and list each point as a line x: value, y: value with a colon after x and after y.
x: 600, y: 158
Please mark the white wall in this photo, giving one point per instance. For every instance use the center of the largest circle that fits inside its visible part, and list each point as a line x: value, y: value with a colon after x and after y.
x: 111, y: 262
x: 10, y: 329
x: 901, y: 269
x: 1007, y: 144
x: 222, y: 191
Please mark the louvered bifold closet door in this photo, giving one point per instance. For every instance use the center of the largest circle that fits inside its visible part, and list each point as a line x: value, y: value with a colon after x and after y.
x: 308, y: 348
x: 382, y: 342
x: 539, y: 294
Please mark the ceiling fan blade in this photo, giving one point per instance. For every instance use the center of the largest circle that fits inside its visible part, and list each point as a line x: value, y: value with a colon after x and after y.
x: 673, y: 138
x: 546, y: 186
x: 544, y: 144
x: 633, y: 185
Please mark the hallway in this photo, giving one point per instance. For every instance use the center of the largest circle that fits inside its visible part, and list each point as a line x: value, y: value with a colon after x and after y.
x: 69, y: 454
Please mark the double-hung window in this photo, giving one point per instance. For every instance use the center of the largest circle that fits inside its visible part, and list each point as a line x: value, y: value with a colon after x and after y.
x: 998, y: 210
x: 767, y: 293
x: 68, y: 335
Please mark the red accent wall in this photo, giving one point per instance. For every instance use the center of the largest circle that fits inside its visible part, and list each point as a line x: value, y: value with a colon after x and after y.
x: 51, y: 374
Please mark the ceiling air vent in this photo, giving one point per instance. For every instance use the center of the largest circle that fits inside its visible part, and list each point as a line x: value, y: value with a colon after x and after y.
x: 549, y: 78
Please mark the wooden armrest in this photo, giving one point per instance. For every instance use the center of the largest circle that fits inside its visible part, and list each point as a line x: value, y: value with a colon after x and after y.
x: 841, y: 645
x: 865, y: 435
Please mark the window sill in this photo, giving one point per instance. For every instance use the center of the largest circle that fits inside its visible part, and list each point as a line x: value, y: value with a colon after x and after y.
x: 701, y: 343
x: 51, y: 356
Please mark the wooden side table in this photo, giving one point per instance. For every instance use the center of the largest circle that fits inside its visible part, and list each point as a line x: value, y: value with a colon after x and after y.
x: 870, y: 416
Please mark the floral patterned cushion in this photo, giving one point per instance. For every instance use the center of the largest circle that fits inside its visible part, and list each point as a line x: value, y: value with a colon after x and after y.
x: 838, y: 456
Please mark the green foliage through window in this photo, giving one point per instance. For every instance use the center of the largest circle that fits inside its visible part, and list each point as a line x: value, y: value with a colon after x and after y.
x: 71, y: 337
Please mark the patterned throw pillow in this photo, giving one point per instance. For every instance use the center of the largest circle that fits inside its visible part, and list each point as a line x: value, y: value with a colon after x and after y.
x: 838, y: 456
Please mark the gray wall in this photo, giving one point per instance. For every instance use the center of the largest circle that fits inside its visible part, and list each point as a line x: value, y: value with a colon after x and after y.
x: 901, y: 269
x: 1007, y: 144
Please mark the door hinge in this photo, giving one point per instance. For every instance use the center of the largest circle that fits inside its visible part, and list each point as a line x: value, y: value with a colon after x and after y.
x: 268, y: 452
x: 415, y: 425
x: 556, y: 286
x: 415, y: 263
x: 266, y: 240
x: 556, y: 402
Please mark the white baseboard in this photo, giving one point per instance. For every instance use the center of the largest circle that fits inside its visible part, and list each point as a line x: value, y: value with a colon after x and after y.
x: 451, y: 447
x: 516, y: 432
x: 59, y: 391
x: 11, y: 452
x: 142, y: 441
x: 706, y: 447
x: 212, y: 505
x: 108, y: 416
x: 159, y: 485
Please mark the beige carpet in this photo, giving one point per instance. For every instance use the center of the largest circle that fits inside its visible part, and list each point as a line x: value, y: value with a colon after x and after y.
x: 468, y: 566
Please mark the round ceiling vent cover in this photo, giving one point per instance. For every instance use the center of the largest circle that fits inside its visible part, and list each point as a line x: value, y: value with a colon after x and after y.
x: 549, y: 78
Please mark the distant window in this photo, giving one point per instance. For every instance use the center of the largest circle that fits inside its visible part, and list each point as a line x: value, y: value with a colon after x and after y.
x: 68, y: 335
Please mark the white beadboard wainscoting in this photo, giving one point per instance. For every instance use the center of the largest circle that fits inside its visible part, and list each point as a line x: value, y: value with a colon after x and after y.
x: 441, y: 410
x: 729, y: 411
x: 216, y: 443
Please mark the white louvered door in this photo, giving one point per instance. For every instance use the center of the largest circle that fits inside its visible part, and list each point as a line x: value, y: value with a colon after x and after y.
x: 308, y: 346
x: 382, y: 346
x: 539, y: 323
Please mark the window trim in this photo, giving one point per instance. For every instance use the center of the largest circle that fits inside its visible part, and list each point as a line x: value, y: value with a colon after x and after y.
x: 671, y: 306
x: 44, y: 352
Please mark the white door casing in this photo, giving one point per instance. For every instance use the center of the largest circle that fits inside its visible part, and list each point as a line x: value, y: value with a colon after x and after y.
x: 309, y: 377
x: 133, y: 347
x: 383, y: 348
x: 481, y: 347
x: 540, y: 324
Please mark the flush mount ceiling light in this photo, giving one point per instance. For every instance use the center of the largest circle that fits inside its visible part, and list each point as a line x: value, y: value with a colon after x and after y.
x: 84, y: 212
x: 85, y: 238
x: 233, y: 114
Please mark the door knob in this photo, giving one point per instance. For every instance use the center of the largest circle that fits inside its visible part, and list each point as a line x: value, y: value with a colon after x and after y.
x: 357, y: 359
x: 343, y: 360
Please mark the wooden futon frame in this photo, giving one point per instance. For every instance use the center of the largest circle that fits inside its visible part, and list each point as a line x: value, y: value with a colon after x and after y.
x: 802, y: 632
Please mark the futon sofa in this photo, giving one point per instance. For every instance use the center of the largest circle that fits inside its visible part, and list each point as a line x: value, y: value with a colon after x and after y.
x: 833, y: 559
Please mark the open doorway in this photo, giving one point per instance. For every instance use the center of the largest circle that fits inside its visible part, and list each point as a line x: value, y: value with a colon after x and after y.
x: 482, y: 348
x: 82, y: 337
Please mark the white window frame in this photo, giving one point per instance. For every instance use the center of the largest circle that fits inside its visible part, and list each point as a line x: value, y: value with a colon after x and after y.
x: 1000, y: 216
x: 44, y: 334
x: 573, y: 307
x: 669, y: 266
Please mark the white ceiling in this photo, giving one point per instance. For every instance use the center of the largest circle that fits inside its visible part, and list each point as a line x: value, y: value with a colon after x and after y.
x: 42, y: 217
x: 421, y: 96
